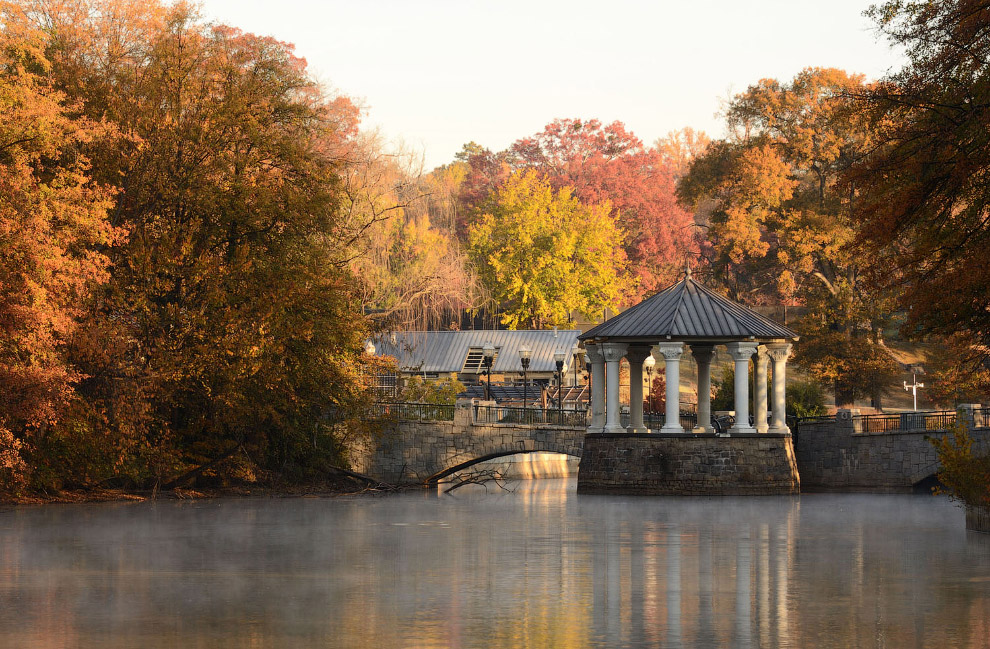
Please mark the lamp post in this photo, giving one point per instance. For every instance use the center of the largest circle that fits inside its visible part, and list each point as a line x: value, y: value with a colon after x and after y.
x: 558, y: 358
x: 525, y: 353
x: 489, y: 355
x: 649, y: 364
x: 577, y: 354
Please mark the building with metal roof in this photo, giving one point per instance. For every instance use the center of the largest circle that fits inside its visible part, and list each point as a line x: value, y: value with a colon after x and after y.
x: 447, y: 352
x: 687, y: 313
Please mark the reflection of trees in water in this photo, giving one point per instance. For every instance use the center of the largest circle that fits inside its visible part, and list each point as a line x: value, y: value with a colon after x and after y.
x: 535, y: 568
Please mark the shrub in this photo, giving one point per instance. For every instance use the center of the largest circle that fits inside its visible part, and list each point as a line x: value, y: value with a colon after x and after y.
x: 805, y: 399
x: 441, y: 391
x: 964, y: 475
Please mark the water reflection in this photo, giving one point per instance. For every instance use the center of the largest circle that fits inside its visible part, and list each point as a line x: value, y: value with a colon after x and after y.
x: 539, y: 567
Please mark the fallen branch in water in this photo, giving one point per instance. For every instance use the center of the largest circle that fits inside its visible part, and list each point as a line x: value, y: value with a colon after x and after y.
x: 482, y: 477
x: 371, y: 484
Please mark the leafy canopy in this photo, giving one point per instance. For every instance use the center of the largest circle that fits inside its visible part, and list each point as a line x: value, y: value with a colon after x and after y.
x: 925, y: 200
x: 544, y: 254
x: 781, y: 224
x: 600, y: 163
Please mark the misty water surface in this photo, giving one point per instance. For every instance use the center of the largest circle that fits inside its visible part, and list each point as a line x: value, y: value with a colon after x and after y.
x: 539, y: 567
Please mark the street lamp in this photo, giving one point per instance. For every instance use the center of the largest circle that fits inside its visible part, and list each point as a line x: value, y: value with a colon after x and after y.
x: 578, y: 355
x: 649, y: 364
x: 558, y: 358
x: 489, y: 355
x: 525, y: 354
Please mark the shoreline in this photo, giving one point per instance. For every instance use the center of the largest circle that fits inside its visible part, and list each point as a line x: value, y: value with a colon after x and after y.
x: 70, y: 497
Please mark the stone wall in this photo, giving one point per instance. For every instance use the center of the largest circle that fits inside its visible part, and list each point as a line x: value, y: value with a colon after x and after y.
x: 689, y: 464
x: 419, y: 451
x: 833, y: 456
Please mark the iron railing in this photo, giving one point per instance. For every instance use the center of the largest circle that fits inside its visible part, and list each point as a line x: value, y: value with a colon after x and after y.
x: 906, y: 421
x: 414, y: 411
x: 530, y: 416
x: 656, y: 420
x: 981, y: 417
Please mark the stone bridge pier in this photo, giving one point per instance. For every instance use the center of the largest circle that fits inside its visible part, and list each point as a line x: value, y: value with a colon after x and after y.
x: 426, y: 451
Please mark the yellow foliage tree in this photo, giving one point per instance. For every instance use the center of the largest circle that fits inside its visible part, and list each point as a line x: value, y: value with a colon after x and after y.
x: 544, y: 255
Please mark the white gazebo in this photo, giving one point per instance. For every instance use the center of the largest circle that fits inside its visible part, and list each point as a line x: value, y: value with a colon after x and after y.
x: 688, y: 314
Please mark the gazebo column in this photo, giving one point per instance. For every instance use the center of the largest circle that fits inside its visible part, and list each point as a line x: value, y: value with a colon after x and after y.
x: 741, y: 352
x: 703, y: 357
x: 636, y: 355
x: 760, y: 398
x: 672, y: 367
x: 613, y: 353
x: 779, y: 353
x: 597, y: 387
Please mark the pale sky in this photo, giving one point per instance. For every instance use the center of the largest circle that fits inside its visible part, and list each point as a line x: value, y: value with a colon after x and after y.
x: 435, y: 74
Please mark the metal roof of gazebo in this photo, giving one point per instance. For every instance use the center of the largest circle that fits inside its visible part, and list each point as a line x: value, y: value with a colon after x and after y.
x: 688, y: 311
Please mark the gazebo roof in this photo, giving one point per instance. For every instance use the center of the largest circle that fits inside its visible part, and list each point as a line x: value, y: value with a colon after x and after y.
x: 689, y: 311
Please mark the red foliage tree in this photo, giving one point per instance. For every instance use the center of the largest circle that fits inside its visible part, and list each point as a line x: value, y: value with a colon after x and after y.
x: 610, y: 163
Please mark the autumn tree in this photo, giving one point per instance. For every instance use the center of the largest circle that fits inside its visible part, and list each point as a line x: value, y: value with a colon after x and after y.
x: 543, y: 254
x: 412, y: 271
x: 227, y: 329
x: 609, y: 163
x: 781, y: 222
x: 600, y: 163
x: 679, y: 148
x: 959, y: 371
x: 924, y: 203
x: 54, y: 234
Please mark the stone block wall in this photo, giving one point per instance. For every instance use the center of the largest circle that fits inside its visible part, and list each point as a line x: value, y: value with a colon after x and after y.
x: 418, y: 451
x: 978, y: 519
x: 833, y: 456
x: 689, y: 464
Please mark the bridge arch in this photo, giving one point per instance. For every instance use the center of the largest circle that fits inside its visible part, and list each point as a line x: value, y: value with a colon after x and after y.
x: 424, y: 452
x: 468, y: 463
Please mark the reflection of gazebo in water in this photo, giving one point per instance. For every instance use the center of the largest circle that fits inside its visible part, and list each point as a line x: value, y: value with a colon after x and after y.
x: 687, y: 313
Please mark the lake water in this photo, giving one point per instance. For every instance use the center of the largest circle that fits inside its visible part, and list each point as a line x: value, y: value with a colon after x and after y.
x: 535, y: 568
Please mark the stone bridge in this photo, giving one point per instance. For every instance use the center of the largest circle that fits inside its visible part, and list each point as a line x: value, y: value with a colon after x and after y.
x: 426, y: 451
x: 841, y: 454
x: 834, y: 454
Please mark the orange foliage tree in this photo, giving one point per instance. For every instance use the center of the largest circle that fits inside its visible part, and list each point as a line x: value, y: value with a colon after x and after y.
x: 782, y: 226
x: 226, y: 329
x: 54, y: 234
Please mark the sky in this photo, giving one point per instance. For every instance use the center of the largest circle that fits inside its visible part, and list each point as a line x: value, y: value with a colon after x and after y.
x: 433, y: 75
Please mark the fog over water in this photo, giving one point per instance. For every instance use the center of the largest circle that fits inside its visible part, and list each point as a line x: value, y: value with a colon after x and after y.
x: 538, y: 567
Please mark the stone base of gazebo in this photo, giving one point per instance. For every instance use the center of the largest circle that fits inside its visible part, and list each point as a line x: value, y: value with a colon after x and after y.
x: 688, y: 464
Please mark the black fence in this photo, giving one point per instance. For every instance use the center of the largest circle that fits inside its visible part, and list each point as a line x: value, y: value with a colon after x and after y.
x: 413, y: 411
x: 530, y: 416
x: 906, y: 421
